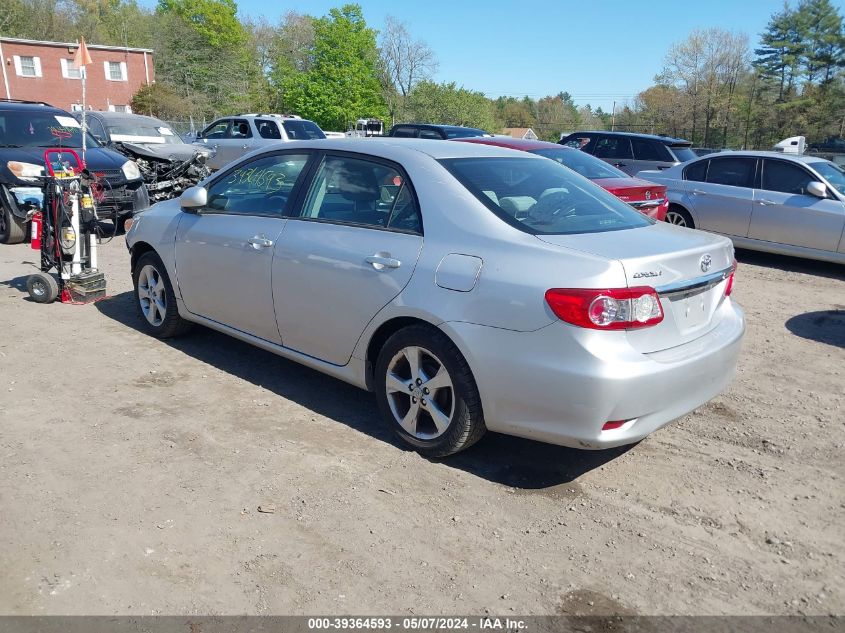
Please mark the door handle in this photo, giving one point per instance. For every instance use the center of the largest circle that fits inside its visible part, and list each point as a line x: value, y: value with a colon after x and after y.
x: 259, y: 241
x: 380, y: 262
x: 620, y: 164
x: 699, y: 192
x: 766, y: 203
x: 244, y: 146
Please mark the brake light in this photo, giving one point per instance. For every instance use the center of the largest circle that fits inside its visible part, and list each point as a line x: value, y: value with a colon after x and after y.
x: 730, y: 285
x: 607, y: 309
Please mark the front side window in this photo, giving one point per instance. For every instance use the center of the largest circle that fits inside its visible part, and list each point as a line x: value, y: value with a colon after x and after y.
x: 831, y: 172
x: 216, y: 130
x: 298, y: 130
x: 613, y: 147
x: 735, y: 172
x: 259, y: 187
x: 363, y: 192
x: 785, y: 177
x: 542, y: 196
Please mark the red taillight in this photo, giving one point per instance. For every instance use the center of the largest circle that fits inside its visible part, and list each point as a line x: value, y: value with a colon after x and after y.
x: 609, y: 426
x: 607, y: 309
x: 730, y: 285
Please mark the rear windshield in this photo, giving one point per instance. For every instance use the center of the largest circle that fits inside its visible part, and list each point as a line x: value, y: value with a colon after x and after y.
x: 542, y: 196
x: 586, y: 165
x: 683, y: 153
x: 302, y: 130
x: 463, y: 132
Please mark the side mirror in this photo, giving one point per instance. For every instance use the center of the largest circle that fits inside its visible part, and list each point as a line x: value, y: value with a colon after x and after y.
x: 817, y: 189
x: 193, y: 198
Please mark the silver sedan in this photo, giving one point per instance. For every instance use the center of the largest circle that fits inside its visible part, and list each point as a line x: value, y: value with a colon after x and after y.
x: 767, y: 201
x: 470, y: 287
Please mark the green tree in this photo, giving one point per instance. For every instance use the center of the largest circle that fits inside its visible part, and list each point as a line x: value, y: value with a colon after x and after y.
x: 447, y: 104
x: 342, y: 81
x: 216, y: 21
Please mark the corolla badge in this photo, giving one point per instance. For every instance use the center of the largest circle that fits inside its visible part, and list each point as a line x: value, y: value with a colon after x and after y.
x: 647, y: 273
x: 648, y: 195
x: 706, y: 262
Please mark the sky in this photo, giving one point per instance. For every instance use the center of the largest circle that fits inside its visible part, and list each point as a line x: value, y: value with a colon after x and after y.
x: 598, y: 51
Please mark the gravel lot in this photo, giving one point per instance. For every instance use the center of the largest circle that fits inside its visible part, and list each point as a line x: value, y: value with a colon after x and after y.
x: 131, y: 472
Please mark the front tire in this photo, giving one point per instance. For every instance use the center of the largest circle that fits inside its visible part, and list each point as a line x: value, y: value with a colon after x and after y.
x: 12, y: 228
x: 427, y: 393
x: 155, y: 300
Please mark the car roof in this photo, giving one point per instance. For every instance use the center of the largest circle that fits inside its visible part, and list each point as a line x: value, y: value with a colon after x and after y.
x: 668, y: 140
x: 18, y: 106
x: 437, y: 126
x: 524, y: 144
x: 798, y: 158
x: 121, y: 116
x: 402, y: 148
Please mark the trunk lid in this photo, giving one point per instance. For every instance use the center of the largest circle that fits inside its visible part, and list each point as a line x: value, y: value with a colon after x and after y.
x: 684, y: 266
x: 640, y: 194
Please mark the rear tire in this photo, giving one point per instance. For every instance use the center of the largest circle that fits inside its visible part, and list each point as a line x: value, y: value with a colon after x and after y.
x: 12, y: 228
x: 426, y: 392
x: 155, y: 300
x: 42, y: 287
x: 679, y: 217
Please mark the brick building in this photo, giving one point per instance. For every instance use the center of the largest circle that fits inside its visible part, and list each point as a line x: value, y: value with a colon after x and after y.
x: 44, y: 71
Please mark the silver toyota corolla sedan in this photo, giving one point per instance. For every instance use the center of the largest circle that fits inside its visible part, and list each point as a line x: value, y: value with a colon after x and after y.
x: 470, y: 287
x: 767, y: 201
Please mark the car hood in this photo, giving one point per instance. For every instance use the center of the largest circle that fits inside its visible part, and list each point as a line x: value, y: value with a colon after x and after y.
x: 162, y: 151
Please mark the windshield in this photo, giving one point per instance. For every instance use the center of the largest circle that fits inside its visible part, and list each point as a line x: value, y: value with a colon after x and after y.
x: 30, y: 128
x: 302, y: 130
x: 831, y: 172
x: 142, y: 132
x: 542, y: 196
x: 683, y: 152
x: 586, y: 165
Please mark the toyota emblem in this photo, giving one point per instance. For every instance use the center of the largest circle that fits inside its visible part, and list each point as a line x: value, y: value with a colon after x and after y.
x: 648, y: 195
x: 706, y: 262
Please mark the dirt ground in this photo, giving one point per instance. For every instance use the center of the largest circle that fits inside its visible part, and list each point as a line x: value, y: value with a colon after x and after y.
x: 131, y: 472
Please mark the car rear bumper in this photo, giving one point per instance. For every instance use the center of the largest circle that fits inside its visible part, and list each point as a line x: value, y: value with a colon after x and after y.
x: 561, y: 384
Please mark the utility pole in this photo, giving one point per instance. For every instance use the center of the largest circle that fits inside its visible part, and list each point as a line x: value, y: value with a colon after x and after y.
x: 613, y: 118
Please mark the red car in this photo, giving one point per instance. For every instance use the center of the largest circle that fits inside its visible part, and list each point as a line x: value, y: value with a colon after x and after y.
x: 646, y: 197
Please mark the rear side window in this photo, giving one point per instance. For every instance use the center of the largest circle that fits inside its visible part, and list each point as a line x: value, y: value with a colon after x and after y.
x: 363, y: 192
x: 613, y: 147
x: 268, y: 129
x: 645, y: 149
x: 696, y: 171
x: 298, y: 130
x: 430, y: 134
x: 586, y: 143
x: 736, y: 172
x: 785, y: 177
x: 542, y: 196
x: 240, y: 129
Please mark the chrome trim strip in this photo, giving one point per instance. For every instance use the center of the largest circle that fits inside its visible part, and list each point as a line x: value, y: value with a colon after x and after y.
x: 699, y: 283
x: 647, y: 203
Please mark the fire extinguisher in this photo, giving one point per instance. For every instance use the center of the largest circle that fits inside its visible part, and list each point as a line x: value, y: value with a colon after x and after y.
x: 35, y: 235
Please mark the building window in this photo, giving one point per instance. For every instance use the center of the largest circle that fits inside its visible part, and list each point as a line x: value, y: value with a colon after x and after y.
x: 27, y: 66
x: 115, y: 71
x: 120, y: 108
x: 69, y: 69
x: 76, y: 107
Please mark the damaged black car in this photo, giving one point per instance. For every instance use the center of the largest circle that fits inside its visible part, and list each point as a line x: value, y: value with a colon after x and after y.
x: 168, y: 164
x: 29, y: 128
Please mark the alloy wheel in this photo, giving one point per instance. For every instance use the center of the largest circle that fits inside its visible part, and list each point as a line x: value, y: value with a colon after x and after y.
x: 673, y: 217
x: 152, y: 295
x: 420, y: 393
